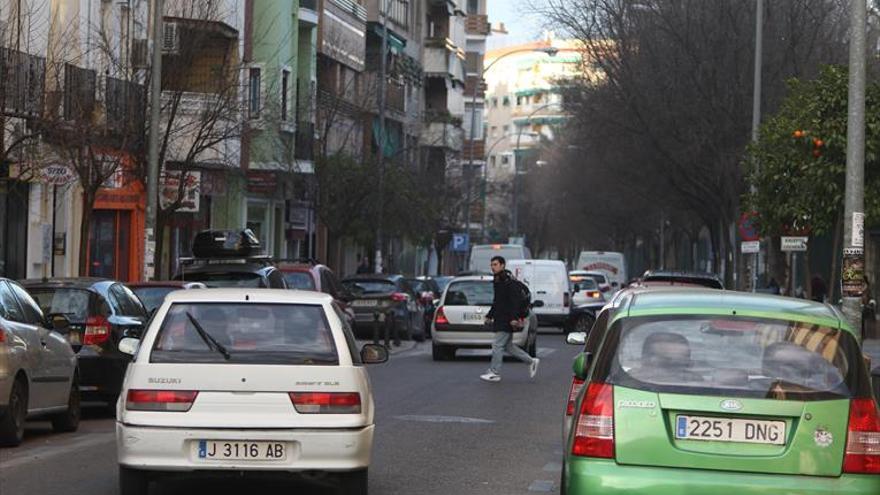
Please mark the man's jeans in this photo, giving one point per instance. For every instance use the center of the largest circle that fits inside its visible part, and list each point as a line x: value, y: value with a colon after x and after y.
x: 504, y: 342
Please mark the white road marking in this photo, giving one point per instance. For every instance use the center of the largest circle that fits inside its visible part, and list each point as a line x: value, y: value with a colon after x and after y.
x: 553, y: 467
x: 48, y: 451
x: 443, y: 419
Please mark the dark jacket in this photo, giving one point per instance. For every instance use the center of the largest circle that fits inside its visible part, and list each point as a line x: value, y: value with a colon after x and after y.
x: 504, y: 304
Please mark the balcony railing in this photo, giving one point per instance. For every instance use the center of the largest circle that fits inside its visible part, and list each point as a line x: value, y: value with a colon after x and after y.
x: 22, y: 82
x: 79, y: 93
x: 478, y: 24
x: 124, y: 102
x: 354, y: 8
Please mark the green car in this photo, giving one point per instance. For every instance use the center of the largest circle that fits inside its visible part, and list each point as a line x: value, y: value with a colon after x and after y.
x: 707, y: 392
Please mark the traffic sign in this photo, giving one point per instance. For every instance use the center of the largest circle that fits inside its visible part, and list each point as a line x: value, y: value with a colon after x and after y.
x: 794, y: 244
x: 751, y: 247
x: 461, y: 243
x: 748, y: 226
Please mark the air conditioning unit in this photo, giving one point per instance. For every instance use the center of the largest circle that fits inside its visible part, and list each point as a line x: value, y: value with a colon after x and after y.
x: 171, y: 38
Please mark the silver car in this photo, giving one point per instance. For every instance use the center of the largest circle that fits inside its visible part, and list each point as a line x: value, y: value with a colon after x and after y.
x: 459, y: 322
x: 38, y: 372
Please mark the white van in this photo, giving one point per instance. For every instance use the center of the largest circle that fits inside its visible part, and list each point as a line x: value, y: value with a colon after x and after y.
x: 612, y: 264
x: 548, y: 281
x: 482, y: 254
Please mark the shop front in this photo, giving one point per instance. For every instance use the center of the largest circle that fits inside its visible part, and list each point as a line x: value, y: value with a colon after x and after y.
x: 116, y: 235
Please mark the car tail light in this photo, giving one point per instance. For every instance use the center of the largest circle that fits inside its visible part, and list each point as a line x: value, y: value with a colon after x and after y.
x: 863, y: 438
x: 399, y: 297
x: 2, y: 335
x: 594, y: 428
x: 576, y: 385
x: 160, y: 400
x: 326, y: 402
x: 97, y: 331
x: 440, y: 319
x: 594, y: 294
x: 566, y: 300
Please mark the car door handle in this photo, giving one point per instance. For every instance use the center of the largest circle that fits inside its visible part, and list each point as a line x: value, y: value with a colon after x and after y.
x: 542, y: 292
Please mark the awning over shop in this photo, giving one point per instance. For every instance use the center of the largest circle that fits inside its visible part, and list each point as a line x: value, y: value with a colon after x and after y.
x: 395, y: 42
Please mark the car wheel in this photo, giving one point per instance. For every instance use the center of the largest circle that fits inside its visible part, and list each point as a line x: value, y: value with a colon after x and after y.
x: 68, y: 421
x: 353, y: 483
x: 12, y: 422
x: 442, y: 352
x: 133, y: 481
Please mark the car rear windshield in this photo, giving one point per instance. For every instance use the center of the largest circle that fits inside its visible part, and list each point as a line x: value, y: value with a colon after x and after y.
x: 152, y: 297
x: 470, y: 293
x: 733, y: 356
x: 299, y: 280
x: 684, y: 280
x: 362, y: 287
x: 251, y: 333
x: 73, y: 303
x: 228, y: 279
x: 586, y: 284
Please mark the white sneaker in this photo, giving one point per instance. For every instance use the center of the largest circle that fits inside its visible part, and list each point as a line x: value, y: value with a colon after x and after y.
x: 533, y: 367
x: 490, y: 376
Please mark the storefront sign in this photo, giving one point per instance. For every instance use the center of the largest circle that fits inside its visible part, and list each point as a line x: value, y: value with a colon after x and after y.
x: 853, y: 275
x: 57, y: 175
x: 60, y: 245
x: 262, y: 182
x: 794, y: 244
x: 188, y: 196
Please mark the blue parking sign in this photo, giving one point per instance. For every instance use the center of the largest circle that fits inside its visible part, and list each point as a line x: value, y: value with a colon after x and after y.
x: 461, y: 243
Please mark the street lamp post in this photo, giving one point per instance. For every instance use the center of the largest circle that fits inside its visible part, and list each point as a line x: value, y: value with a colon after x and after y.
x: 756, y: 105
x: 153, y: 144
x: 549, y: 50
x: 515, y: 216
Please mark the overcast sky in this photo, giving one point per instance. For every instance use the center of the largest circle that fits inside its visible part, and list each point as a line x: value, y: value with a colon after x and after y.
x: 520, y: 24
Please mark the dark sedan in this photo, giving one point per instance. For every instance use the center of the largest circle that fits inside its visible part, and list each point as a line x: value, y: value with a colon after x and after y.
x: 386, y: 294
x: 152, y: 294
x: 101, y: 313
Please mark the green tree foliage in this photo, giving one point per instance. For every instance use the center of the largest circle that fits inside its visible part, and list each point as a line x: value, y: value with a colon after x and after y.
x: 799, y: 164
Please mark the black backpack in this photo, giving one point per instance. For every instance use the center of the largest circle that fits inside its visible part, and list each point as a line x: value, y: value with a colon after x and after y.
x: 521, y: 296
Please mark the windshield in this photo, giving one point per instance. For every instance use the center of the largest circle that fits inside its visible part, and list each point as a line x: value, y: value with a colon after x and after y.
x: 585, y: 284
x: 227, y: 279
x: 152, y: 297
x: 74, y: 303
x: 469, y: 293
x: 299, y: 280
x: 293, y: 334
x: 363, y: 287
x: 443, y: 282
x: 730, y: 356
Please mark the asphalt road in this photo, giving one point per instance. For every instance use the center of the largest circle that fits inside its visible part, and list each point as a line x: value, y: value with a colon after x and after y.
x: 440, y: 430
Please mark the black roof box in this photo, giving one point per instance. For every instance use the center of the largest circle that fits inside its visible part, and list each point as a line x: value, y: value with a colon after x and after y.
x: 226, y: 244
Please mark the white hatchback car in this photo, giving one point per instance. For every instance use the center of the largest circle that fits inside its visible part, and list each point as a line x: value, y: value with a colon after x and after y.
x: 237, y: 380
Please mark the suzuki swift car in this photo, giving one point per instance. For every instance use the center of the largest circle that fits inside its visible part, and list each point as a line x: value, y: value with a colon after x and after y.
x: 703, y: 391
x: 460, y: 320
x: 247, y: 380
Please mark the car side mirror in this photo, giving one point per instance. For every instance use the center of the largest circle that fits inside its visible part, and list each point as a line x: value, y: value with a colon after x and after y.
x: 581, y: 365
x: 538, y: 304
x: 577, y: 288
x: 57, y: 322
x: 129, y: 345
x: 374, y: 354
x: 576, y: 338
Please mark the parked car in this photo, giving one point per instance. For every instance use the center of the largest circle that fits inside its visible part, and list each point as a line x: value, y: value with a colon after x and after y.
x: 309, y: 275
x: 600, y: 278
x: 386, y: 294
x: 548, y: 281
x: 247, y: 381
x: 152, y: 294
x: 428, y: 291
x: 459, y: 322
x: 38, y: 368
x: 660, y: 278
x: 101, y: 313
x: 705, y: 391
x: 230, y: 259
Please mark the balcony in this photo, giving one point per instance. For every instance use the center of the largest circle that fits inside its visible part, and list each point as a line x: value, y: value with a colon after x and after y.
x: 124, y: 103
x: 475, y: 148
x: 395, y: 94
x: 442, y: 130
x: 22, y: 82
x: 308, y: 12
x: 478, y: 25
x: 475, y: 82
x: 442, y: 59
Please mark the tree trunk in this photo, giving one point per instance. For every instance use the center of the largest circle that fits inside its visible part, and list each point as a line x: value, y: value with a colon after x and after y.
x: 88, y: 205
x: 808, y: 274
x: 161, y: 268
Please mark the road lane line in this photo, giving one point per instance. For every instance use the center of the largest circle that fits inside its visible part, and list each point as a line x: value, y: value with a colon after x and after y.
x: 49, y: 451
x: 443, y: 419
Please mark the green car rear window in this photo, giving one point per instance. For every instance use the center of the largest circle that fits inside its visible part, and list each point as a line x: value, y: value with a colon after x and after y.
x: 733, y: 356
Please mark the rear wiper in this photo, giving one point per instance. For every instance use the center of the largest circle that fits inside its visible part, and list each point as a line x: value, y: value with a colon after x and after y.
x: 211, y: 341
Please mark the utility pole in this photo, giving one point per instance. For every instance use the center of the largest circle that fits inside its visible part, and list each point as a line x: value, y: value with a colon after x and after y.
x: 756, y: 107
x: 153, y: 151
x: 381, y: 156
x: 854, y: 198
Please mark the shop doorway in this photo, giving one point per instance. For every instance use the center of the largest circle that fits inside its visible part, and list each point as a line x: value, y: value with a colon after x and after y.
x: 109, y: 244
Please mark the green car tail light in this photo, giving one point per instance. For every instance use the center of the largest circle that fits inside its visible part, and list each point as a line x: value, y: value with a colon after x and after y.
x: 594, y: 429
x: 863, y: 438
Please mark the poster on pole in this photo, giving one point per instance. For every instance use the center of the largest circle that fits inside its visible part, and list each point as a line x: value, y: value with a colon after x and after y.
x: 858, y: 230
x: 853, y: 278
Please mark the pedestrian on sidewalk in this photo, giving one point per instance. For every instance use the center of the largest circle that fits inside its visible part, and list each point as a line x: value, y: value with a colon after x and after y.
x: 507, y: 314
x: 364, y: 266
